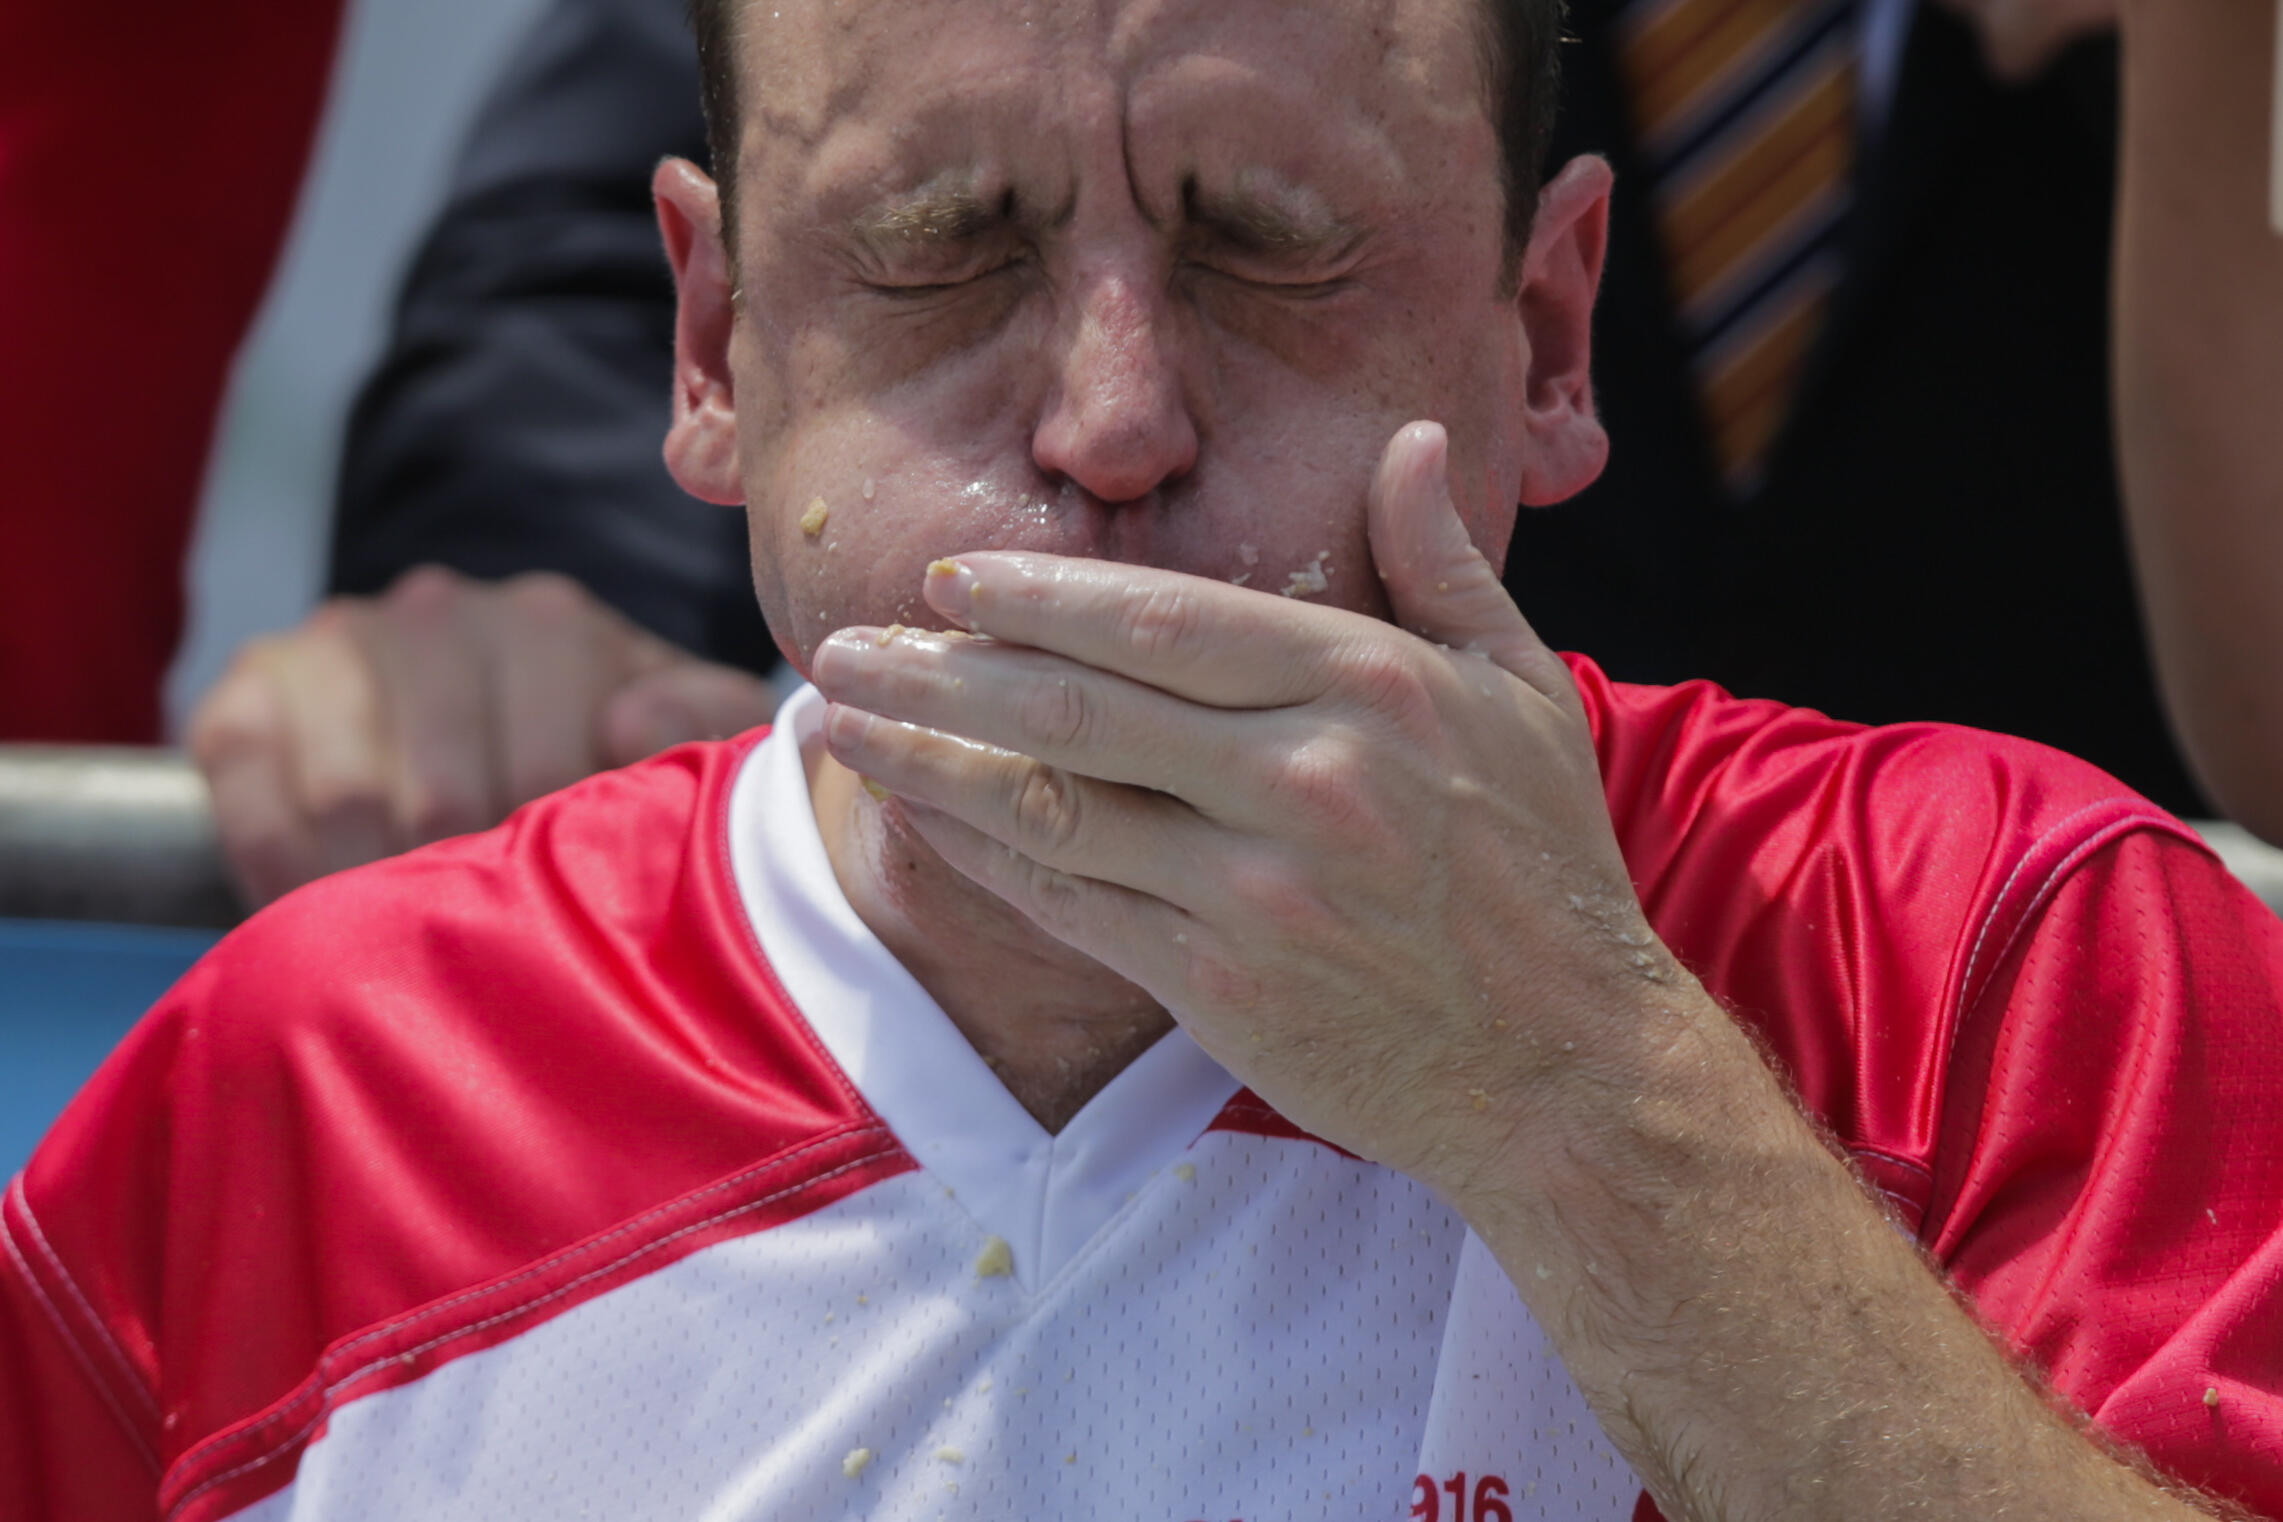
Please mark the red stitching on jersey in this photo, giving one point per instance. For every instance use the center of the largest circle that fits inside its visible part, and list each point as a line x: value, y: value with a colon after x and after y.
x: 292, y: 1440
x: 149, y: 1399
x: 72, y: 1344
x: 214, y: 1445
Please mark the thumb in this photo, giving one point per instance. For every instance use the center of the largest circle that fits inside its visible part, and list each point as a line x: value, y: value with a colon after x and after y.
x: 1438, y: 584
x: 688, y: 700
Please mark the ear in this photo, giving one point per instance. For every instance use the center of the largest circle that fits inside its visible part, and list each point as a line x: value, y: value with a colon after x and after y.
x: 701, y: 442
x: 1561, y: 270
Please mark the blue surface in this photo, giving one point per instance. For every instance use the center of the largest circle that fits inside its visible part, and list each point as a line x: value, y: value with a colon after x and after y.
x: 68, y: 992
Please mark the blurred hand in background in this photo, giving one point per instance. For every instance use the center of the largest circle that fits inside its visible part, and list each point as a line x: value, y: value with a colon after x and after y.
x: 387, y: 722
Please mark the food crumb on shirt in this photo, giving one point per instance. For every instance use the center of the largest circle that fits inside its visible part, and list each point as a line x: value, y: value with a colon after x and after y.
x: 1311, y: 578
x: 2212, y: 1397
x: 1071, y: 1457
x: 952, y: 1486
x: 853, y: 1465
x: 1186, y: 1172
x: 985, y: 1387
x: 996, y: 1260
x: 950, y: 1455
x: 863, y: 1299
x: 2212, y: 1216
x: 812, y: 521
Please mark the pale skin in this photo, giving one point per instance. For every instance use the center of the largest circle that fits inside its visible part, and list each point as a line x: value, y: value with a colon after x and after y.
x: 384, y: 723
x: 2199, y: 366
x: 1355, y: 845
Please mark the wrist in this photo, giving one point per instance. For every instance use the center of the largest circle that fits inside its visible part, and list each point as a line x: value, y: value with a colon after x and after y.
x: 1597, y: 1148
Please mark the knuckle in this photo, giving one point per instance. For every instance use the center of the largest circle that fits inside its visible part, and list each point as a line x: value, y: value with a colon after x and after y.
x: 427, y: 594
x: 545, y: 599
x: 1386, y: 680
x: 1322, y: 778
x: 1281, y: 901
x: 1057, y: 715
x: 1047, y: 812
x: 1163, y: 622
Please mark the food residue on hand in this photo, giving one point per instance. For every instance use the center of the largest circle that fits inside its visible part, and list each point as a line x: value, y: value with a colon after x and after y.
x: 879, y: 793
x: 853, y: 1465
x: 887, y: 636
x: 812, y: 521
x: 1311, y: 578
x: 996, y: 1260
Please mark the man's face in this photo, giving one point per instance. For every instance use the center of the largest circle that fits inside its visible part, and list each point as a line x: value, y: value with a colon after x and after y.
x: 1145, y: 280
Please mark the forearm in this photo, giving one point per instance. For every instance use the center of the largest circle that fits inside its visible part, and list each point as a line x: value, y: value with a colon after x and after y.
x: 2199, y: 371
x: 1757, y: 1338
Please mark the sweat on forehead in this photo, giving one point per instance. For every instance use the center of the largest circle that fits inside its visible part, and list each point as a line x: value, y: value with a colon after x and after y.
x: 803, y: 61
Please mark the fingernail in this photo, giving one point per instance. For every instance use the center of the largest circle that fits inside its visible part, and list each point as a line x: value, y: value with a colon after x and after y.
x: 950, y: 589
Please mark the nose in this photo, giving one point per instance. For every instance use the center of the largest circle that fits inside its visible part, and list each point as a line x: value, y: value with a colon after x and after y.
x: 1117, y: 423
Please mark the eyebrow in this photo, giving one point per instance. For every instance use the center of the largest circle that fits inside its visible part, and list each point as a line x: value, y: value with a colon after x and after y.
x: 936, y: 214
x: 1296, y: 222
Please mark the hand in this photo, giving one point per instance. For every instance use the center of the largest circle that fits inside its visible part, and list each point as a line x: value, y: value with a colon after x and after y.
x: 1371, y: 871
x: 2020, y: 37
x: 385, y: 723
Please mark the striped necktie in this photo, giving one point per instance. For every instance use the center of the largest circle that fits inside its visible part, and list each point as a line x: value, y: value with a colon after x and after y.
x: 1745, y: 115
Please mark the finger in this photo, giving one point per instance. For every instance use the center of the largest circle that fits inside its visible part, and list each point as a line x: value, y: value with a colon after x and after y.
x: 426, y: 645
x: 1201, y: 640
x: 1438, y: 583
x: 1141, y: 938
x: 238, y: 738
x: 687, y: 700
x: 337, y: 740
x: 1102, y: 831
x: 1043, y: 706
x: 552, y: 672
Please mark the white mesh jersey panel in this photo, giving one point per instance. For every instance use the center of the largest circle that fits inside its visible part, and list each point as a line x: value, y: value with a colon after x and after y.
x: 1288, y: 1333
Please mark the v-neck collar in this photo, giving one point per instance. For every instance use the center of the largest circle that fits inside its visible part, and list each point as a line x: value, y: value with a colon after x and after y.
x: 1045, y: 1195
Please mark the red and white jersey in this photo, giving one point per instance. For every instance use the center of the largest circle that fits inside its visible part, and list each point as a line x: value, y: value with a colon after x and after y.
x: 607, y: 1164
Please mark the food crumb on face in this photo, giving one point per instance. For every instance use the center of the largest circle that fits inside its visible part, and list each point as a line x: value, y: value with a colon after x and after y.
x: 1248, y: 554
x: 1186, y: 1172
x: 868, y: 488
x: 853, y: 1465
x: 1478, y: 1099
x: 950, y: 1455
x: 1238, y: 581
x: 996, y: 1260
x: 1312, y: 578
x: 812, y: 521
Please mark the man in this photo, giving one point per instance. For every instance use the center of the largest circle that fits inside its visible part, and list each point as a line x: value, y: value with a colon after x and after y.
x: 1934, y: 532
x: 850, y: 1123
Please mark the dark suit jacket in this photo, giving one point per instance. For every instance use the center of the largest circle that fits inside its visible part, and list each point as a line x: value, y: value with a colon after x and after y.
x: 1939, y: 537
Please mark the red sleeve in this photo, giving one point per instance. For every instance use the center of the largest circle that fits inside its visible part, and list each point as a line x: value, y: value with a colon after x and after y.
x: 2109, y: 1180
x: 81, y: 1429
x: 150, y: 156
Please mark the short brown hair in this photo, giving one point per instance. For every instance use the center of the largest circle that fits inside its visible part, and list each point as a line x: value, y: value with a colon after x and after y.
x: 1521, y: 55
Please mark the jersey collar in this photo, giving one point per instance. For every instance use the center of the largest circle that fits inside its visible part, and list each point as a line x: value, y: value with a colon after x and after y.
x: 1046, y: 1195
